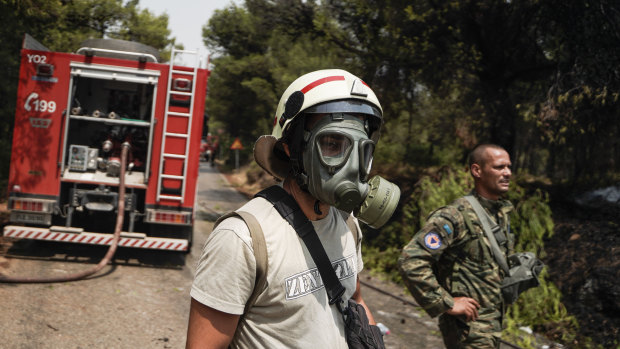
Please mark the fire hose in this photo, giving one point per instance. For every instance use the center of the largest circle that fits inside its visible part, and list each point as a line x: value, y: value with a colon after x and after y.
x: 114, y: 244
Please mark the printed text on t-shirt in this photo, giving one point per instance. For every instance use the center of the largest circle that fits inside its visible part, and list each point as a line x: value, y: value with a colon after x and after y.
x: 310, y: 281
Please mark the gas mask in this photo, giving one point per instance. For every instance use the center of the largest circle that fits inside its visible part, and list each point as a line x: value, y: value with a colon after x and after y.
x: 337, y: 160
x: 332, y: 158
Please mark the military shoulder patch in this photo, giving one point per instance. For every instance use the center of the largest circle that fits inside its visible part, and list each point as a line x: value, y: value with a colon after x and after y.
x: 432, y: 240
x: 446, y: 227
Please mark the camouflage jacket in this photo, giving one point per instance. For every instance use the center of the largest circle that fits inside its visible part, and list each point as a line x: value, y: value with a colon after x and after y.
x: 451, y: 257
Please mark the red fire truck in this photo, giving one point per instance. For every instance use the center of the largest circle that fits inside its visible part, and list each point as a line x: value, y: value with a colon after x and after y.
x: 73, y: 112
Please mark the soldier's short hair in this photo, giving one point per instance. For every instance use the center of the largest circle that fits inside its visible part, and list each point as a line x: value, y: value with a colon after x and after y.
x: 476, y: 156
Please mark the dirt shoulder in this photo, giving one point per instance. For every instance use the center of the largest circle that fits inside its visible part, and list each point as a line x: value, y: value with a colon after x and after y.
x: 249, y: 185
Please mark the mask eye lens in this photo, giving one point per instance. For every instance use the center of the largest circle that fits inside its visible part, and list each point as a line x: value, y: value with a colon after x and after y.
x: 333, y: 148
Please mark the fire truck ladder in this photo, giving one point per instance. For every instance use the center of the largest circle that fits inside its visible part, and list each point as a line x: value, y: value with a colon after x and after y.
x: 171, y: 137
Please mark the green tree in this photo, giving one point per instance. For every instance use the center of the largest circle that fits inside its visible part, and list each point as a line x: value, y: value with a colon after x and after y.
x: 240, y: 87
x: 534, y: 76
x: 235, y: 32
x: 142, y: 26
x: 577, y: 115
x: 259, y: 53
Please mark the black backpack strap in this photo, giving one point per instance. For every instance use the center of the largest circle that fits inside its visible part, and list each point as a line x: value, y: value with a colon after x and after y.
x: 260, y: 252
x: 286, y: 205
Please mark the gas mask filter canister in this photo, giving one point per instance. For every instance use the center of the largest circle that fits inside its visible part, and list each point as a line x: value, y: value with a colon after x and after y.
x: 380, y: 203
x: 337, y: 161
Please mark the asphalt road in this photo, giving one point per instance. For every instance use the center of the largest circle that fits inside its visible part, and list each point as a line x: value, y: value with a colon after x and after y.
x: 141, y: 300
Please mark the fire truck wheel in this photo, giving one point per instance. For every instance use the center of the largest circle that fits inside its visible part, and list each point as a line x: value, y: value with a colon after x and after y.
x: 190, y: 240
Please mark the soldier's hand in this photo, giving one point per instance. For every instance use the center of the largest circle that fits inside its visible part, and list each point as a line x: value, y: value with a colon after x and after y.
x: 465, y: 306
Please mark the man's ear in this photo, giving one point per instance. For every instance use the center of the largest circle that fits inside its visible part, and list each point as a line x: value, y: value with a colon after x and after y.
x: 475, y: 170
x: 286, y: 149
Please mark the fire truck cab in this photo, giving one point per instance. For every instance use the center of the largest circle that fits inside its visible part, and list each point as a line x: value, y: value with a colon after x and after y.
x: 73, y: 112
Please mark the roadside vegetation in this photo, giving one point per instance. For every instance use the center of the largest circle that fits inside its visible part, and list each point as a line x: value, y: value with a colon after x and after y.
x: 539, y: 78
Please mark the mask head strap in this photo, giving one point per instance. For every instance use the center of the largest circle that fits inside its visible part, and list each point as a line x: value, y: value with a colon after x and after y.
x: 297, y: 143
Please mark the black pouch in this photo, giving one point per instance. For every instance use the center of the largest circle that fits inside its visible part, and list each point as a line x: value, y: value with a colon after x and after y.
x: 524, y: 271
x: 359, y: 332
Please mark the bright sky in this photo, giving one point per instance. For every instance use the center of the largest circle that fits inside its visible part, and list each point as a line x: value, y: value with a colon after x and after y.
x: 186, y: 17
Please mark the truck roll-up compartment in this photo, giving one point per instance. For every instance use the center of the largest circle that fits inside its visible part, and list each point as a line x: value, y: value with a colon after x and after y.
x: 115, y: 104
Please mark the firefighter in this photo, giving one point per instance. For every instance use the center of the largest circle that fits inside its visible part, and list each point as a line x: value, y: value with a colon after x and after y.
x: 326, y: 127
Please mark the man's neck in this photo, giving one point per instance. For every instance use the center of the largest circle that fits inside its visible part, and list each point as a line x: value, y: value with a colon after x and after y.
x: 486, y: 195
x: 305, y: 201
x: 493, y: 206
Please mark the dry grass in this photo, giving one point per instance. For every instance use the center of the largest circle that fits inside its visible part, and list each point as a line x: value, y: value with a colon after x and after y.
x: 249, y: 179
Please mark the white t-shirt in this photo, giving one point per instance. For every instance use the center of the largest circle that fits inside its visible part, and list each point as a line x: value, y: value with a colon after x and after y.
x: 293, y: 310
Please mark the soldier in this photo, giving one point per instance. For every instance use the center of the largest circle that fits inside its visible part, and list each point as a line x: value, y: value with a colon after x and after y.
x: 449, y: 265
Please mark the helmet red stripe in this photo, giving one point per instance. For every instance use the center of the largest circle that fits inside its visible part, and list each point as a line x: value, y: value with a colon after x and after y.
x: 321, y: 82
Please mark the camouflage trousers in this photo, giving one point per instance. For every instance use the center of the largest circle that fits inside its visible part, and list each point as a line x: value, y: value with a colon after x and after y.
x: 480, y: 334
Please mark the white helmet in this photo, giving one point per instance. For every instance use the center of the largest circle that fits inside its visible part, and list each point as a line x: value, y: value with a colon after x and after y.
x: 322, y: 91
